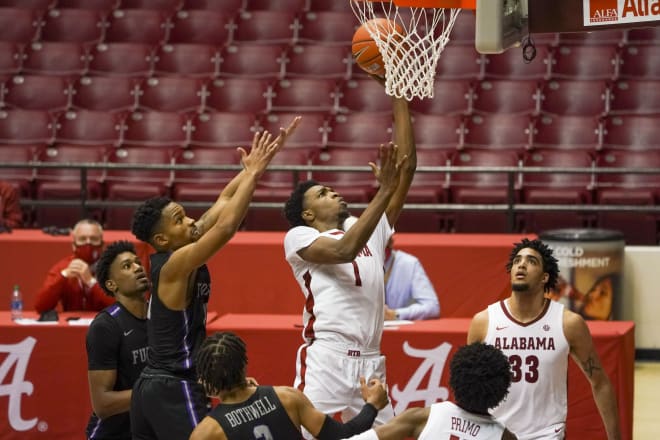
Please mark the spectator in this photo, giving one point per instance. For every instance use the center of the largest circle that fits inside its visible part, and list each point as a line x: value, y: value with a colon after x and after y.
x: 409, y: 294
x: 11, y: 215
x: 71, y: 280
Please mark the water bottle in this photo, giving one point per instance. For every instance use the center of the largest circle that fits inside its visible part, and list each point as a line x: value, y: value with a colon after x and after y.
x: 16, y: 303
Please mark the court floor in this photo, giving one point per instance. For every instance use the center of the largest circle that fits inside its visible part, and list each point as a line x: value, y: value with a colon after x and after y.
x: 646, y: 423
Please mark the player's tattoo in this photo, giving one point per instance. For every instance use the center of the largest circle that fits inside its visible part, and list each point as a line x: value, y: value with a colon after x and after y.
x: 590, y: 365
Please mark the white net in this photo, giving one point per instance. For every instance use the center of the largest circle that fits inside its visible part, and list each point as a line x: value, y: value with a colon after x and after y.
x: 411, y: 50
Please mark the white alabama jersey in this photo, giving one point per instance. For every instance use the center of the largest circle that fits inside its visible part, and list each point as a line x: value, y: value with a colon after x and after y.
x: 538, y: 353
x: 344, y: 302
x: 447, y: 421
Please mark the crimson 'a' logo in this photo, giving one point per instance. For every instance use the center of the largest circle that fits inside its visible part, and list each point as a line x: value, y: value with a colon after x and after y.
x: 18, y: 356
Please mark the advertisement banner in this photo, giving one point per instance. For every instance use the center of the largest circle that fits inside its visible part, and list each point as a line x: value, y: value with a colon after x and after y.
x: 611, y: 12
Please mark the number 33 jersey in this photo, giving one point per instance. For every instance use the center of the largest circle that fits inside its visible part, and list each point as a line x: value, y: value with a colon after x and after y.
x: 538, y: 353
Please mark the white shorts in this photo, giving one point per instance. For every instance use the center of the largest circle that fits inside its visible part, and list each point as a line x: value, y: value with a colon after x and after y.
x: 330, y: 377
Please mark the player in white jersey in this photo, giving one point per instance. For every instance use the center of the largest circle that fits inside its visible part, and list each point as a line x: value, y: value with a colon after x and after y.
x: 339, y: 266
x: 537, y: 335
x: 479, y: 376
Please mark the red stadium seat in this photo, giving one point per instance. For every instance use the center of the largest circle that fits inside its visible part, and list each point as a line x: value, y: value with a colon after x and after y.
x: 325, y: 5
x: 557, y: 188
x: 223, y: 130
x: 353, y: 186
x: 38, y: 92
x: 609, y: 37
x: 498, y: 131
x: 19, y: 25
x: 360, y: 131
x: 162, y: 5
x: 364, y: 95
x: 75, y: 25
x: 143, y: 26
x: 11, y: 58
x: 56, y: 58
x: 122, y: 59
x: 481, y: 188
x: 228, y: 6
x: 649, y: 35
x: 639, y: 228
x: 253, y: 61
x: 305, y: 95
x: 19, y: 126
x: 460, y: 62
x: 319, y: 61
x: 640, y: 62
x: 327, y: 27
x: 195, y: 60
x: 172, y: 94
x: 156, y: 129
x: 506, y: 96
x: 106, y: 93
x: 585, y: 62
x: 135, y: 185
x: 511, y: 65
x: 201, y: 27
x: 22, y: 178
x: 275, y: 5
x: 41, y: 5
x: 450, y: 97
x: 265, y: 27
x: 86, y: 127
x: 310, y: 135
x: 464, y: 29
x: 242, y: 95
x: 632, y: 132
x: 438, y: 132
x: 99, y: 5
x: 575, y: 97
x: 567, y: 132
x: 638, y: 97
x: 65, y: 183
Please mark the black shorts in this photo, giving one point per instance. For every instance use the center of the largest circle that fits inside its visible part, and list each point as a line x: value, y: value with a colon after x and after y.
x: 166, y: 407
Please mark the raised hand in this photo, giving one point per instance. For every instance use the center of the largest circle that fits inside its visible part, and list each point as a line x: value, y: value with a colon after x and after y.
x: 374, y: 392
x: 391, y: 164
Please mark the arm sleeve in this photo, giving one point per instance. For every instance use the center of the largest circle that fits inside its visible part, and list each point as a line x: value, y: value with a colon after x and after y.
x: 102, y: 342
x: 52, y: 289
x: 12, y: 216
x: 333, y: 430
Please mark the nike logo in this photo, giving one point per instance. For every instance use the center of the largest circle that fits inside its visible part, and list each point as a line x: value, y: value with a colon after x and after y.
x: 128, y: 332
x: 501, y: 328
x: 558, y: 429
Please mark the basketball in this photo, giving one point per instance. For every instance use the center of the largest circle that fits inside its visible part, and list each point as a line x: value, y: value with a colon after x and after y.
x: 364, y: 48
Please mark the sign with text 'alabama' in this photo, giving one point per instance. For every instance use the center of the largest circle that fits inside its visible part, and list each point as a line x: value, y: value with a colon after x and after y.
x: 609, y: 12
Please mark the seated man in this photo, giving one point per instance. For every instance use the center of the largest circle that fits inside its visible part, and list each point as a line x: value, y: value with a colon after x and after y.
x: 409, y: 294
x: 266, y: 412
x: 71, y: 280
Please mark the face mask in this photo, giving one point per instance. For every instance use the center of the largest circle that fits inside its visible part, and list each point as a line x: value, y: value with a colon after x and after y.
x: 89, y: 253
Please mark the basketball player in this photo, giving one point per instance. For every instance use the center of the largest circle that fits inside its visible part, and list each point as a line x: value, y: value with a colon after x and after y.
x: 167, y: 401
x: 116, y: 342
x: 338, y: 262
x: 538, y: 334
x: 479, y: 376
x: 265, y: 412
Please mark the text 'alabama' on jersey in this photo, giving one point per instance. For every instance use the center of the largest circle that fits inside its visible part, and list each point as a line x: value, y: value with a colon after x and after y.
x: 175, y: 335
x: 448, y: 421
x: 343, y: 302
x: 538, y: 353
x: 116, y: 340
x: 262, y: 416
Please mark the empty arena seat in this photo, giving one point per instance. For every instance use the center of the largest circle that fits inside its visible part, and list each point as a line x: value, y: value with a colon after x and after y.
x: 360, y: 130
x: 38, y: 92
x: 364, y: 95
x: 122, y: 59
x: 319, y: 61
x: 506, y: 96
x: 201, y: 27
x: 18, y: 126
x: 88, y: 127
x: 223, y: 130
x: 22, y: 178
x: 305, y: 95
x: 265, y: 27
x: 632, y: 132
x: 19, y: 25
x: 310, y: 135
x: 567, y: 132
x: 144, y: 26
x: 324, y: 5
x: 610, y: 37
x: 228, y: 6
x: 464, y: 28
x: 460, y: 61
x: 11, y: 58
x: 172, y: 94
x: 162, y: 5
x: 353, y: 186
x: 253, y: 61
x: 77, y: 25
x: 242, y: 95
x: 100, y: 5
x: 438, y: 132
x: 327, y: 27
x: 511, y: 65
x: 275, y: 5
x: 635, y: 96
x: 640, y: 62
x: 498, y: 131
x: 188, y: 59
x: 648, y: 35
x: 28, y: 4
x: 156, y: 129
x: 449, y: 97
x: 585, y: 62
x: 106, y: 93
x: 55, y: 58
x: 575, y: 97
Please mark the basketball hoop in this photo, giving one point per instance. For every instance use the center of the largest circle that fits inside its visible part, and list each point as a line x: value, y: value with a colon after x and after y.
x: 411, y: 57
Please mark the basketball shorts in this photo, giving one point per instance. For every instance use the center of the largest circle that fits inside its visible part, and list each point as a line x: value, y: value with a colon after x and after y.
x: 165, y: 407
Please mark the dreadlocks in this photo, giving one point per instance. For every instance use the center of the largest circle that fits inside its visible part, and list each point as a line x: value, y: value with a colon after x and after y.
x: 549, y: 261
x: 480, y: 376
x: 106, y: 260
x: 221, y: 363
x: 147, y: 216
x: 293, y: 207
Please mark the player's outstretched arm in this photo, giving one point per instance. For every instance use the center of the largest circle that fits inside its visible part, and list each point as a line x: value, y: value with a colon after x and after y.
x: 478, y: 327
x: 585, y: 355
